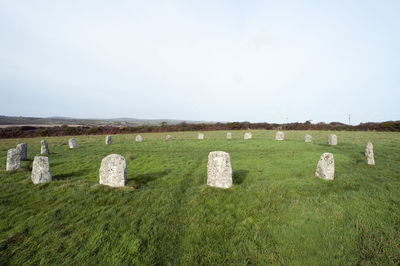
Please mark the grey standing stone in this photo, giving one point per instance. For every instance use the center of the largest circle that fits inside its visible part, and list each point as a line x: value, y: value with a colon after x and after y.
x: 72, y: 143
x: 108, y: 139
x: 44, y: 148
x: 200, y: 136
x: 113, y: 171
x: 247, y: 135
x: 332, y: 139
x: 219, y: 170
x: 229, y: 135
x: 369, y: 152
x: 23, y: 149
x: 139, y: 138
x: 308, y: 138
x: 280, y: 135
x: 326, y: 167
x: 13, y: 159
x: 168, y: 137
x: 41, y: 170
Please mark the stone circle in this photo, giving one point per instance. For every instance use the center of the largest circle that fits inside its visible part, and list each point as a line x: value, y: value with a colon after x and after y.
x: 168, y: 137
x: 23, y: 148
x: 44, y: 148
x: 13, y: 159
x: 113, y: 171
x: 139, y: 138
x: 108, y: 139
x: 72, y: 143
x: 229, y: 135
x: 219, y: 170
x: 332, y: 139
x: 280, y: 135
x: 308, y: 138
x: 369, y: 152
x: 326, y: 167
x: 200, y: 136
x: 41, y: 170
x: 247, y: 135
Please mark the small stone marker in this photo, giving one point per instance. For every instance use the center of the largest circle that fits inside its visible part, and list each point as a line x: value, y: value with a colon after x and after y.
x: 108, y: 139
x: 13, y: 159
x: 41, y: 170
x: 168, y: 137
x: 308, y: 138
x: 23, y: 149
x: 326, y: 167
x: 72, y: 143
x: 369, y: 152
x: 113, y: 171
x: 44, y: 149
x: 219, y: 170
x: 280, y: 135
x: 229, y: 135
x: 332, y: 140
x: 139, y: 138
x: 200, y: 136
x: 247, y: 135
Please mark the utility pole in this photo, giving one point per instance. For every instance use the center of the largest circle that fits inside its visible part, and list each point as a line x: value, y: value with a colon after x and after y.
x: 349, y: 119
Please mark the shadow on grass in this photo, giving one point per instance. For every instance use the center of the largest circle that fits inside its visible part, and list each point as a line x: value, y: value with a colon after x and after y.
x: 143, y: 179
x: 71, y: 174
x: 239, y: 176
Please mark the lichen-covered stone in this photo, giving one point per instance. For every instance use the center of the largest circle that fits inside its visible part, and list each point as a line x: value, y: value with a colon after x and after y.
x: 326, y: 167
x: 72, y: 143
x: 23, y: 149
x: 332, y: 139
x: 139, y: 138
x: 41, y: 170
x: 168, y: 137
x: 247, y: 135
x: 13, y: 159
x: 308, y: 138
x: 369, y: 152
x: 113, y: 171
x: 200, y: 136
x: 44, y: 148
x: 280, y: 135
x: 229, y: 135
x: 108, y: 139
x: 219, y: 170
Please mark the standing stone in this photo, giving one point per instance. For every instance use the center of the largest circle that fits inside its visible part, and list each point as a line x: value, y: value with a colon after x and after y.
x: 44, y: 149
x: 41, y: 170
x: 108, y: 139
x: 13, y: 159
x: 326, y: 167
x: 247, y: 135
x: 332, y: 140
x: 23, y: 149
x: 139, y: 138
x: 72, y: 143
x: 168, y: 137
x: 280, y: 135
x: 229, y: 135
x: 200, y: 136
x: 308, y: 138
x: 219, y: 170
x: 369, y: 152
x: 113, y: 171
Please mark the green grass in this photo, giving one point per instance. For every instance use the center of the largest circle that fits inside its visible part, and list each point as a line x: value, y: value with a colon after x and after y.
x: 277, y: 211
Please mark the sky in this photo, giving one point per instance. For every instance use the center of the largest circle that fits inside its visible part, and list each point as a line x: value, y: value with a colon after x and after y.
x: 257, y: 61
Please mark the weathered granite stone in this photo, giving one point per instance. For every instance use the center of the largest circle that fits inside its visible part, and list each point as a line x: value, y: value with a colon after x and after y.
x: 108, y: 139
x: 13, y: 159
x: 72, y: 143
x: 219, y: 170
x: 44, y: 149
x: 332, y: 140
x: 229, y: 135
x: 41, y: 170
x: 113, y: 171
x: 369, y: 152
x: 200, y: 136
x: 139, y: 138
x: 308, y: 138
x: 23, y: 149
x: 280, y: 135
x: 168, y: 137
x: 326, y: 167
x: 247, y: 135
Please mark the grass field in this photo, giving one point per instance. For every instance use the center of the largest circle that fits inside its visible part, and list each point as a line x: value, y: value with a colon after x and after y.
x: 277, y: 211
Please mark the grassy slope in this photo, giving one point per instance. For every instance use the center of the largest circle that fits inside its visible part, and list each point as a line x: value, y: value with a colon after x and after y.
x: 276, y: 212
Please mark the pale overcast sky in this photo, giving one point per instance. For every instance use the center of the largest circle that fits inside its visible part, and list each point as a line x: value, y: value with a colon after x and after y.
x: 201, y: 60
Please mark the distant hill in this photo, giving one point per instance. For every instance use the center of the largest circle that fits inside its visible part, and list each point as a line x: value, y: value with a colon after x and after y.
x: 58, y: 120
